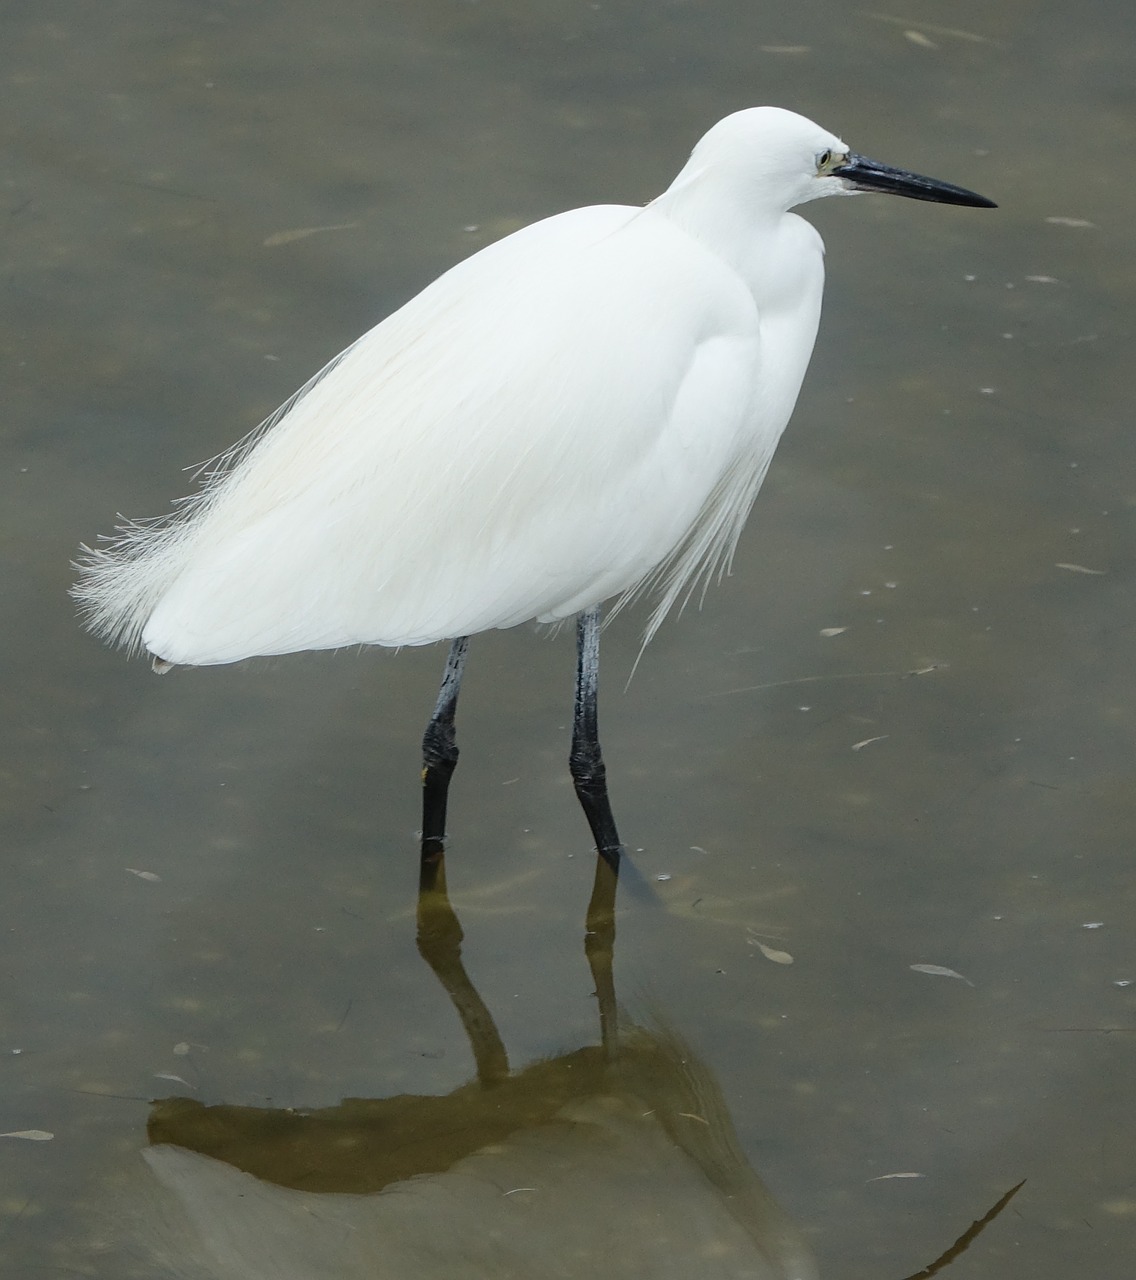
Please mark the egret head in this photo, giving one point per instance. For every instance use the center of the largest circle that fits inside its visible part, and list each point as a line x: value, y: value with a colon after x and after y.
x: 786, y: 160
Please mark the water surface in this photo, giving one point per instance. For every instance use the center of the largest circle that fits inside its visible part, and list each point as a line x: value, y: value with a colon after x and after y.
x: 899, y: 735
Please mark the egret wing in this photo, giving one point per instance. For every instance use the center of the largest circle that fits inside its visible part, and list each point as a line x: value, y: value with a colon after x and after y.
x: 537, y: 430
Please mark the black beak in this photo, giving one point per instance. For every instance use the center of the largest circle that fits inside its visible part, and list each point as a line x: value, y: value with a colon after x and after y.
x: 863, y: 174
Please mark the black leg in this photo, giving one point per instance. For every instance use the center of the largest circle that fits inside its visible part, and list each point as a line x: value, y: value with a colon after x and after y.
x: 440, y: 755
x: 586, y: 761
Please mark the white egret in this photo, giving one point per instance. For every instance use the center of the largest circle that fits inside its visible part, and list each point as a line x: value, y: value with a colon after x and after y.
x: 582, y: 411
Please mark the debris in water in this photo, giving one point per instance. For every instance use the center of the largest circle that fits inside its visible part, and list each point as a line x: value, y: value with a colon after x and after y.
x: 169, y: 1075
x: 770, y: 953
x: 302, y: 233
x: 940, y: 971
x: 144, y: 875
x: 954, y: 32
x: 30, y: 1135
x: 968, y: 1236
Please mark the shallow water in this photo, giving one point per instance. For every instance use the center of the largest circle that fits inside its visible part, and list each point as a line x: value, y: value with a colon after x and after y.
x: 954, y: 494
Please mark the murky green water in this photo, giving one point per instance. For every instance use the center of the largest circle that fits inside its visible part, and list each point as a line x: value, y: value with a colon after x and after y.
x: 955, y: 495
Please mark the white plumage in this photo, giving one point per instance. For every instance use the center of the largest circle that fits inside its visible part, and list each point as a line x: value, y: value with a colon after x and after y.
x: 540, y: 429
x: 580, y: 411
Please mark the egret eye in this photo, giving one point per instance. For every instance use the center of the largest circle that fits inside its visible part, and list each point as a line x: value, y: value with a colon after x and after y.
x: 824, y: 160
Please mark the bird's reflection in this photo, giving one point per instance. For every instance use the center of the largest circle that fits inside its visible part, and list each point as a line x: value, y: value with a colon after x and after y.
x: 617, y: 1159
